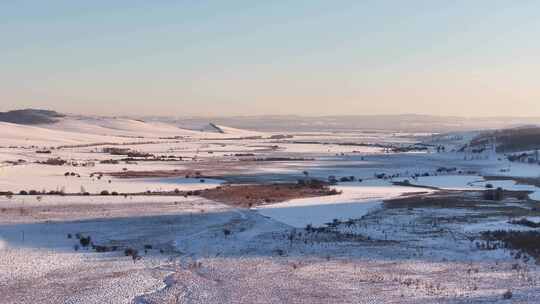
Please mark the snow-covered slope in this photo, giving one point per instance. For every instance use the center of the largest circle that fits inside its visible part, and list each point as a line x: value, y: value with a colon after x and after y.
x: 120, y: 127
x: 25, y: 135
x: 83, y: 130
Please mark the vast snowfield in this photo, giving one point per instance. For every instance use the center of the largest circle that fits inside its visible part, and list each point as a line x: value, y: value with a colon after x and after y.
x: 376, y: 240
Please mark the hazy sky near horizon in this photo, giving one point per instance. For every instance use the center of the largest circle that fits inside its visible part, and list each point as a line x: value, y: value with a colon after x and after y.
x: 307, y: 57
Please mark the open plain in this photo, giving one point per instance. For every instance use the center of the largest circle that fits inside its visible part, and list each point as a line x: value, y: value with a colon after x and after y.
x: 109, y: 210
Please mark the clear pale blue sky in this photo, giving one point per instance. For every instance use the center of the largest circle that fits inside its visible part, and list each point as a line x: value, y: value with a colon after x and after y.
x: 271, y: 57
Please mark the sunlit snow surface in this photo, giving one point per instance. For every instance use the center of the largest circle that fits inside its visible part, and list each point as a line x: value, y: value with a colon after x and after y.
x: 244, y: 254
x: 355, y: 201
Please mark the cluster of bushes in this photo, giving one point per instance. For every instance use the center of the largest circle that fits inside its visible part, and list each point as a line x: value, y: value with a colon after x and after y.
x: 62, y: 192
x: 194, y: 192
x: 106, y: 192
x: 334, y: 180
x: 333, y: 192
x: 276, y: 159
x: 516, y: 139
x: 53, y: 162
x: 197, y: 174
x: 386, y: 176
x: 83, y: 164
x: 139, y: 154
x: 126, y: 151
x: 133, y: 253
x: 412, y: 148
x: 446, y: 170
x: 243, y: 154
x: 86, y: 241
x: 322, y: 229
x: 35, y: 192
x: 109, y: 162
x: 280, y: 136
x: 494, y: 194
x: 311, y: 183
x: 524, y: 241
x: 525, y: 222
x: 98, y: 175
x: 116, y: 151
x: 15, y: 162
x: 168, y: 158
x: 72, y: 174
x: 102, y: 248
x: 524, y: 157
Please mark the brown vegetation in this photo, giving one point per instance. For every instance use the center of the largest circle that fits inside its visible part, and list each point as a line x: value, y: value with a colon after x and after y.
x: 524, y: 241
x: 253, y: 195
x: 278, y: 159
x: 510, y: 140
x: 532, y: 181
x: 155, y: 173
x: 53, y: 162
x: 454, y: 199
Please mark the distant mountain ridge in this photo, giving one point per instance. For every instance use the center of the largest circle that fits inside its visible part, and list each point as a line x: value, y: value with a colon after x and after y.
x: 392, y: 123
x: 30, y: 116
x: 297, y: 123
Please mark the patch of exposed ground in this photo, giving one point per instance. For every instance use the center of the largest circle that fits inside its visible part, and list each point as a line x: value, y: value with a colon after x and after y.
x: 155, y: 174
x: 525, y: 242
x: 254, y: 195
x: 530, y: 181
x: 469, y: 199
x: 231, y: 170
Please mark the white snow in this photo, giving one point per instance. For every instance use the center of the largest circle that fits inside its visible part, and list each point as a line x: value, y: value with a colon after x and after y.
x: 51, y: 178
x: 37, y: 254
x: 355, y: 201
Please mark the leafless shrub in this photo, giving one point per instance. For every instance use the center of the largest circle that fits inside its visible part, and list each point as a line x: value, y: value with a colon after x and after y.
x: 85, y: 241
x: 133, y: 253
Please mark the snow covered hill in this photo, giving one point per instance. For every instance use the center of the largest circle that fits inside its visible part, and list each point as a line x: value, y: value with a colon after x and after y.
x: 30, y: 116
x: 72, y: 130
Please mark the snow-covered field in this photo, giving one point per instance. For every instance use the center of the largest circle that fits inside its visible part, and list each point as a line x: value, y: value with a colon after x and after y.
x: 357, y: 199
x: 356, y: 249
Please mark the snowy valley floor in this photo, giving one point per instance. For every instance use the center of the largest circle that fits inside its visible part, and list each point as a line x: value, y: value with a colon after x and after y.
x: 418, y: 249
x: 409, y: 227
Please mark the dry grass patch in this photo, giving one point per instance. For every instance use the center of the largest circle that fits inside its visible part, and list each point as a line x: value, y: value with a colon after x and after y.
x: 155, y: 173
x: 468, y: 199
x: 254, y: 195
